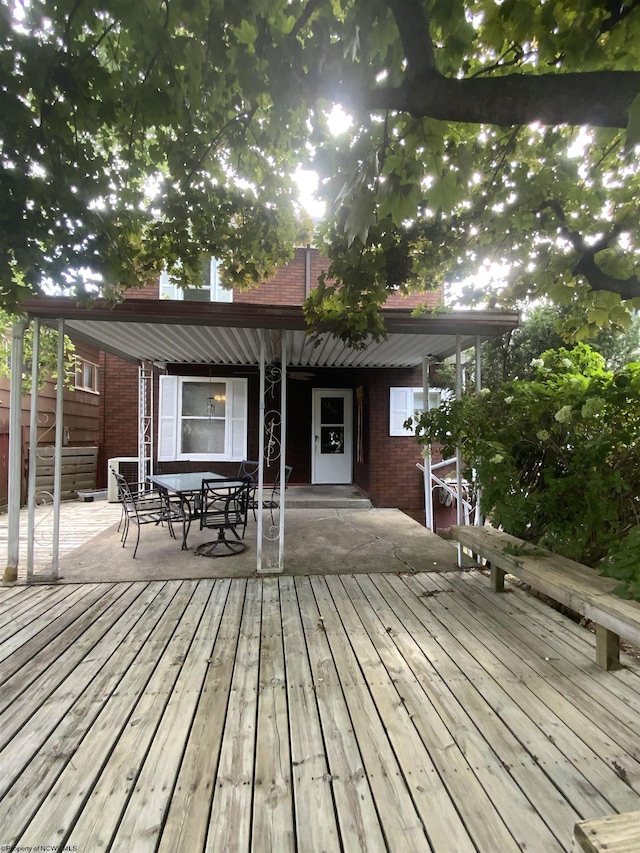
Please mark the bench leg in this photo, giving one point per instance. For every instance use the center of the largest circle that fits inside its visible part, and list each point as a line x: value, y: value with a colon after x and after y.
x: 497, y: 579
x: 607, y: 648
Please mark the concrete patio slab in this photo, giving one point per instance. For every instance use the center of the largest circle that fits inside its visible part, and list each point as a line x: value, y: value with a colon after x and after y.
x: 317, y: 541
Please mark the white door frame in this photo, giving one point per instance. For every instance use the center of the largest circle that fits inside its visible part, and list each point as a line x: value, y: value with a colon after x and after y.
x: 339, y: 467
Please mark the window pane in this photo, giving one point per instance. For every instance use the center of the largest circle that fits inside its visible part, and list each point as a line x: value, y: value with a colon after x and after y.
x: 204, y: 399
x: 332, y: 440
x: 202, y: 436
x: 197, y: 294
x: 332, y: 410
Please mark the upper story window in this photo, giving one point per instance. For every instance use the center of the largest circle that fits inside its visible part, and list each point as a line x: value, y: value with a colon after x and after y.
x: 86, y: 375
x: 409, y: 403
x: 210, y: 291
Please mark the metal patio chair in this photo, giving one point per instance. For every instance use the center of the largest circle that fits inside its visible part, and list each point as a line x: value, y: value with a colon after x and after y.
x: 249, y: 468
x: 224, y: 505
x: 142, y: 506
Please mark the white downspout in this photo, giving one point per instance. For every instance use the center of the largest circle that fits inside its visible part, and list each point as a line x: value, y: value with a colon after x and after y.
x: 15, y: 451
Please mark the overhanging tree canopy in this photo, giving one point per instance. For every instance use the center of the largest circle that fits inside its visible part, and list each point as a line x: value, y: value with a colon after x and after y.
x: 134, y: 133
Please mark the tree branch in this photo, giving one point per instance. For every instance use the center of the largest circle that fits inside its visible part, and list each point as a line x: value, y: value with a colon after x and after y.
x: 413, y: 25
x: 618, y: 11
x: 307, y: 13
x: 597, y: 98
x: 627, y: 288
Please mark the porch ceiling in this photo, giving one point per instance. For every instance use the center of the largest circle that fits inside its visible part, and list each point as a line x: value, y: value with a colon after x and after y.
x: 195, y: 332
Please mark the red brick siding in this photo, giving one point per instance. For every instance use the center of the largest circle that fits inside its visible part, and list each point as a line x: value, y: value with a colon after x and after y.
x: 394, y: 479
x: 432, y: 298
x: 388, y: 471
x: 119, y: 414
x: 289, y: 286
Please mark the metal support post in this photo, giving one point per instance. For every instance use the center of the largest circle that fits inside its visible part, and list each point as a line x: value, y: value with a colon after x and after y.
x: 477, y: 519
x: 428, y: 500
x: 260, y: 453
x: 15, y: 451
x: 33, y: 450
x: 283, y: 448
x: 145, y: 421
x: 459, y: 510
x: 57, y: 470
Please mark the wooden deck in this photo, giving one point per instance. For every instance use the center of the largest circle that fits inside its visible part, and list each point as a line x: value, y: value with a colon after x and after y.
x: 370, y: 712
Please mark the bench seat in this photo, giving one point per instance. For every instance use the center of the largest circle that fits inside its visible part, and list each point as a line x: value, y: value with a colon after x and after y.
x: 578, y: 587
x: 618, y: 833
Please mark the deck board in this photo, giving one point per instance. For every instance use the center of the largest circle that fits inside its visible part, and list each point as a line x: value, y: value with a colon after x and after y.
x: 376, y: 712
x: 553, y: 730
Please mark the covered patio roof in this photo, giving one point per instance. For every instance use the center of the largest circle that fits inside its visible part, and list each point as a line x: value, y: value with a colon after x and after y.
x: 163, y: 331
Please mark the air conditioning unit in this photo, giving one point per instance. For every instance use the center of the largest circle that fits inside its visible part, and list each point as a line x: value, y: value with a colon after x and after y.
x: 127, y: 466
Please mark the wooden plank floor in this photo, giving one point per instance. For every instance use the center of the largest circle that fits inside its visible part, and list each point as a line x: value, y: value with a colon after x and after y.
x: 369, y: 712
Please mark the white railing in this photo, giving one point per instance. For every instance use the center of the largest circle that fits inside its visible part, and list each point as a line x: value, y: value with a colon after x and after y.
x: 449, y: 490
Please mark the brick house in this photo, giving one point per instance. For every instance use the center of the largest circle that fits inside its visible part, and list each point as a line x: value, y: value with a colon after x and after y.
x: 344, y: 410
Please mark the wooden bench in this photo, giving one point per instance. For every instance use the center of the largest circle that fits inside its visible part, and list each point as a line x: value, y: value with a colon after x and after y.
x: 618, y: 833
x: 578, y: 587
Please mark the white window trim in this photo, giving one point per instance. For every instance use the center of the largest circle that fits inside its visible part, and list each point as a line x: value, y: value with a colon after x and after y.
x: 402, y: 406
x: 79, y: 369
x: 217, y: 293
x: 169, y: 420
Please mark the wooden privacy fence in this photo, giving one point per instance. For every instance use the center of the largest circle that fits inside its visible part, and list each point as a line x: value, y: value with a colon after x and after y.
x: 79, y: 470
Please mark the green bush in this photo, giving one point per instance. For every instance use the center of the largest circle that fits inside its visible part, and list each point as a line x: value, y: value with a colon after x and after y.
x: 557, y: 458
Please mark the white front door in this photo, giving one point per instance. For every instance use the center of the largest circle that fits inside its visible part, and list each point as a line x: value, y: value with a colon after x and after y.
x: 332, y: 437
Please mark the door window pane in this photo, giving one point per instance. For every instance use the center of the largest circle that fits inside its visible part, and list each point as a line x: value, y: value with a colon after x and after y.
x: 331, y: 410
x: 332, y: 440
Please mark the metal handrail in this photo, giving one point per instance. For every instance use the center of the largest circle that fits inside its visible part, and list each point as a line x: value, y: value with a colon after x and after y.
x: 437, y: 482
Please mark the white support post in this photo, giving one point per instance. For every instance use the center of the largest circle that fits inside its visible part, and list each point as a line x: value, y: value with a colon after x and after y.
x: 145, y: 421
x: 57, y: 470
x: 428, y: 501
x: 459, y: 510
x: 477, y: 518
x: 260, y: 453
x: 283, y: 447
x: 33, y: 450
x: 15, y: 451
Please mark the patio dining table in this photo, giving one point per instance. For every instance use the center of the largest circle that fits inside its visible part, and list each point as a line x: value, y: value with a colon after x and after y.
x: 186, y: 487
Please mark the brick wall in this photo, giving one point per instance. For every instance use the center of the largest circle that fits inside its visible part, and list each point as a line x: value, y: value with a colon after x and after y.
x: 289, y: 286
x: 119, y: 417
x: 394, y: 479
x: 387, y: 473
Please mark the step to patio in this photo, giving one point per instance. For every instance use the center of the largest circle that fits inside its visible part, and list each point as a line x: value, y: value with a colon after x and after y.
x: 329, y: 497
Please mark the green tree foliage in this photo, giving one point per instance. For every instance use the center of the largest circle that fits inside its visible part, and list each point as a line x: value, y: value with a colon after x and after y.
x: 557, y: 457
x: 47, y: 355
x: 511, y: 356
x: 156, y: 130
x: 138, y: 133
